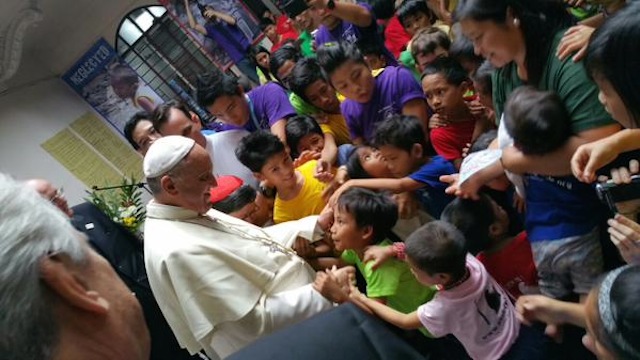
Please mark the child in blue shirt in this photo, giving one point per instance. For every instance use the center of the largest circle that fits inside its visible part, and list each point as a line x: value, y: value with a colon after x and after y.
x: 401, y: 143
x: 562, y: 213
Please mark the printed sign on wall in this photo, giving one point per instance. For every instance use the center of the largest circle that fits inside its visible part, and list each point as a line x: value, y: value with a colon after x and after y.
x: 110, y: 86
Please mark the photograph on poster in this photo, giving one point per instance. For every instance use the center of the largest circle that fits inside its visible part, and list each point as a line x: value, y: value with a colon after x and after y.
x: 110, y: 86
x: 225, y: 43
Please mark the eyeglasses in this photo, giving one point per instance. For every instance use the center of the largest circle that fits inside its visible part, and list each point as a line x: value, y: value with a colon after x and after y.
x: 59, y: 195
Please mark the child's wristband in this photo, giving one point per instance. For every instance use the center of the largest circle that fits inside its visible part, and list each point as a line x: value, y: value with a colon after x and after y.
x: 398, y: 248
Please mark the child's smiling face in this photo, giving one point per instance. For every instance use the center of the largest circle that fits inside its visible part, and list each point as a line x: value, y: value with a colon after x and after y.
x: 345, y: 233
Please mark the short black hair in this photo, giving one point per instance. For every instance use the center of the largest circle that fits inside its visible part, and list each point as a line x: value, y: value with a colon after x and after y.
x: 236, y: 200
x: 281, y: 56
x: 333, y: 54
x: 298, y: 127
x: 255, y: 149
x: 160, y: 115
x: 131, y: 124
x: 462, y: 49
x: 265, y: 23
x: 410, y: 8
x: 483, y: 141
x: 400, y: 131
x: 370, y: 46
x: 382, y: 9
x: 427, y: 40
x: 448, y: 67
x: 537, y: 120
x: 213, y: 85
x: 370, y: 208
x: 438, y: 247
x: 304, y: 73
x: 473, y: 218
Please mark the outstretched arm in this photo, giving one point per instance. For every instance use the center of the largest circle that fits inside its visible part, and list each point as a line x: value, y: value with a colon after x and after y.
x: 404, y: 321
x: 353, y: 13
x: 192, y: 22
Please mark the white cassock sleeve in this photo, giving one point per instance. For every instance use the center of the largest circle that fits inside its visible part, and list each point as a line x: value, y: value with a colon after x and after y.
x: 272, y: 313
x: 286, y: 233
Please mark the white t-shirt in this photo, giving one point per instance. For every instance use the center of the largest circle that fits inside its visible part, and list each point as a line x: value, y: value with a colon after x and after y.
x: 477, y: 312
x: 221, y: 147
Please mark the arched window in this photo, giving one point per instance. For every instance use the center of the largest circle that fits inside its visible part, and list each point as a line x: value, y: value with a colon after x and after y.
x: 160, y: 52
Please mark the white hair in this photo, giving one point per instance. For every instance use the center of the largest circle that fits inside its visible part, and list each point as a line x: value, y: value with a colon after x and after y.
x: 30, y: 228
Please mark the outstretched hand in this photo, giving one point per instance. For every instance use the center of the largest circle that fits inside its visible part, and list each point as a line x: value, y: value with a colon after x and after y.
x: 576, y: 39
x: 625, y: 235
x: 590, y: 157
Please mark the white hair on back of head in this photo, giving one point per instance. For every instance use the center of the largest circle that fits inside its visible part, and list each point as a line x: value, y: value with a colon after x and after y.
x: 30, y: 228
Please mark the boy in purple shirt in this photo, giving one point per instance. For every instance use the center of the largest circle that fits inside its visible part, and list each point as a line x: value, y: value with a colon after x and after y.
x: 345, y: 22
x: 222, y: 29
x: 370, y: 99
x: 265, y: 107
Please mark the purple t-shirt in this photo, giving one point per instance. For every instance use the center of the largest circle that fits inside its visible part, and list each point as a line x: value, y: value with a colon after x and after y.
x: 350, y: 33
x: 394, y: 87
x: 230, y: 38
x: 268, y: 104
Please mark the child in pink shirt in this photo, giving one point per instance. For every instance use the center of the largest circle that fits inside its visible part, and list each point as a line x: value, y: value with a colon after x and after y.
x: 469, y: 304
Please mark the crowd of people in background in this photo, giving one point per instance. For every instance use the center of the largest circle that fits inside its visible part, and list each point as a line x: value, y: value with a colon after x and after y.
x: 433, y: 162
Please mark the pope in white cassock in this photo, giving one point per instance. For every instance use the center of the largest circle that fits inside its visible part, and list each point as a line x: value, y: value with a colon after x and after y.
x: 220, y: 282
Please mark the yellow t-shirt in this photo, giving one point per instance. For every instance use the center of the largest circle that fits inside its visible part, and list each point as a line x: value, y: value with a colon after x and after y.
x: 337, y: 127
x: 307, y: 202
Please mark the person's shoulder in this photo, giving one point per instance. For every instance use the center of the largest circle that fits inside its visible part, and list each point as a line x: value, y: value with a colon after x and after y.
x: 438, y: 162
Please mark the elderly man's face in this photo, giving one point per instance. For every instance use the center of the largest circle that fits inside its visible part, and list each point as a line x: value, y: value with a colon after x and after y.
x: 194, y: 180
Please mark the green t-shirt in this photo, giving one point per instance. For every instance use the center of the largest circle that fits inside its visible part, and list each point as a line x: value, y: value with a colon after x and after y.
x: 301, y: 106
x: 409, y: 62
x: 566, y: 78
x: 306, y: 44
x: 393, y: 281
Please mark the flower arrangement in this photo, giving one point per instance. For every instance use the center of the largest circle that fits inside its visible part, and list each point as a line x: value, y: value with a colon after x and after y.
x: 123, y: 204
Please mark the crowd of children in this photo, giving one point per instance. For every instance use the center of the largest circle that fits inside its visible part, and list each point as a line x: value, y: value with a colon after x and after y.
x: 341, y: 124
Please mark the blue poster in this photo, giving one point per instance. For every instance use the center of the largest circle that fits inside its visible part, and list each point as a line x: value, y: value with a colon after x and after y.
x: 110, y: 86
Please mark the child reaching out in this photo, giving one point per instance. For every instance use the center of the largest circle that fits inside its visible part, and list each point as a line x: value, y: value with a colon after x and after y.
x: 469, y: 304
x: 485, y: 226
x: 363, y: 218
x: 298, y: 192
x: 401, y: 143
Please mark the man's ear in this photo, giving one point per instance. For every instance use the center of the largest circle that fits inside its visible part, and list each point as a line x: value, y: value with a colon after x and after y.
x: 64, y: 279
x: 417, y: 151
x: 167, y: 184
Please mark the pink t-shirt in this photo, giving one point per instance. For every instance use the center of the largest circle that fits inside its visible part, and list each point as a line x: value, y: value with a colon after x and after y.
x: 477, y: 312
